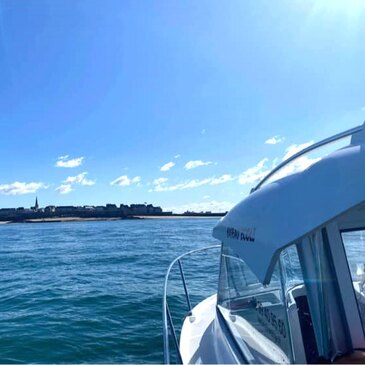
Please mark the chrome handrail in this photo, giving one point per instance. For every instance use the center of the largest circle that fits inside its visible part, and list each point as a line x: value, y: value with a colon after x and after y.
x: 166, y: 316
x: 304, y: 151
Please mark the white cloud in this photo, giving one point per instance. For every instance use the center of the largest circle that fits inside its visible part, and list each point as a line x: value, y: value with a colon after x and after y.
x: 255, y: 173
x: 206, y: 206
x: 79, y: 179
x: 64, y: 189
x: 126, y: 181
x: 196, y: 163
x: 167, y: 166
x: 206, y: 196
x: 275, y: 140
x: 194, y: 183
x: 161, y: 183
x: 64, y: 161
x: 275, y: 162
x: 221, y: 180
x: 294, y: 148
x: 136, y: 179
x: 160, y: 180
x: 297, y: 165
x: 177, y: 156
x: 20, y: 188
x: 121, y: 181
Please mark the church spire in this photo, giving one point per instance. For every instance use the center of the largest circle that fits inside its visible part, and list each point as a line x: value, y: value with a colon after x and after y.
x: 36, y: 203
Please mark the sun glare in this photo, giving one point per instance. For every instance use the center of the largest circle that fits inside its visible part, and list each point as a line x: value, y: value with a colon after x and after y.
x: 352, y: 8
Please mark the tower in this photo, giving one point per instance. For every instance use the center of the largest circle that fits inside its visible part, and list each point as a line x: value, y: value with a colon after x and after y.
x: 36, y: 206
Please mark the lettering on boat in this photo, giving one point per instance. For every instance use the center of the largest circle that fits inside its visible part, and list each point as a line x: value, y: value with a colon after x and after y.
x: 245, y: 234
x: 275, y: 325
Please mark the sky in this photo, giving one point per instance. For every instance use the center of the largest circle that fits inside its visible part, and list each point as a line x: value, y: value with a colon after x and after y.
x: 181, y: 104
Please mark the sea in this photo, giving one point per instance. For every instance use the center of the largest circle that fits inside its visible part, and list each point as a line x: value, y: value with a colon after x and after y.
x: 91, y: 292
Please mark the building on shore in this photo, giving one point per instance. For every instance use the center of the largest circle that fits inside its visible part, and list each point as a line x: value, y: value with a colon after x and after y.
x: 22, y: 214
x: 86, y: 211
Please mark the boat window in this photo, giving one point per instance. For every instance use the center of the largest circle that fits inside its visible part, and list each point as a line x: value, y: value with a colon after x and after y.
x: 292, y: 271
x: 256, y: 314
x: 354, y: 243
x: 299, y: 316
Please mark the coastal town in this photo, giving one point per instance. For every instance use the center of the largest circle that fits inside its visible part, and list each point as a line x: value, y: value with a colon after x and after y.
x: 88, y: 212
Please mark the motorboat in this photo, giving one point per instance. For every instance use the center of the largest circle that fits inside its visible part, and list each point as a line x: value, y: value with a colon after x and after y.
x: 291, y: 285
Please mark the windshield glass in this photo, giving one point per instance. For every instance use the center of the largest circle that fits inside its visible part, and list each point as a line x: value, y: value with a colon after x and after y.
x: 256, y: 314
x: 354, y: 243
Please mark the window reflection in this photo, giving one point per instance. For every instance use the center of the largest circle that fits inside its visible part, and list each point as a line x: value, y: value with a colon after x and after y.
x: 354, y: 243
x: 255, y: 313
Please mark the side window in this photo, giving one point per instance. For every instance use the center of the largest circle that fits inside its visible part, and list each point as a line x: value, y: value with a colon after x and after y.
x: 293, y: 276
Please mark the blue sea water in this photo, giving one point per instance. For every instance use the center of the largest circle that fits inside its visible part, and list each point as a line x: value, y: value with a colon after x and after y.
x: 91, y: 291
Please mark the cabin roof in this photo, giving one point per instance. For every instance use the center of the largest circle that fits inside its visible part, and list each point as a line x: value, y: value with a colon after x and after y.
x: 283, y: 211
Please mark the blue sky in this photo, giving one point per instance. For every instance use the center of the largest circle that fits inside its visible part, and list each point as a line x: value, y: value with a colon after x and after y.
x: 97, y: 96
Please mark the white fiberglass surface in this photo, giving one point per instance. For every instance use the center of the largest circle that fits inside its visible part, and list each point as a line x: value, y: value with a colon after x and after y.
x: 280, y: 213
x: 354, y: 243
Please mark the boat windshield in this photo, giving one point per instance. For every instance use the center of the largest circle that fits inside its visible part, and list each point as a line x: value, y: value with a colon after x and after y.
x: 256, y: 314
x: 354, y: 243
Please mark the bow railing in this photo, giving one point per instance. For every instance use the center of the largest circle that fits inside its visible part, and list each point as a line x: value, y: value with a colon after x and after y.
x: 168, y: 326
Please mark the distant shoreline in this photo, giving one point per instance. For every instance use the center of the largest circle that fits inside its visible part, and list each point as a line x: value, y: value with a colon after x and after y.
x: 81, y: 219
x: 177, y: 216
x: 59, y: 220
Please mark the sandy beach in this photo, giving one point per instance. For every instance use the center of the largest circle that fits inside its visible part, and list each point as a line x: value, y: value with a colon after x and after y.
x: 175, y: 217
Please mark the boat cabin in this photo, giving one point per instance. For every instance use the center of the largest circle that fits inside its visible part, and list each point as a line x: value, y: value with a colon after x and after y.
x: 292, y: 270
x: 292, y: 275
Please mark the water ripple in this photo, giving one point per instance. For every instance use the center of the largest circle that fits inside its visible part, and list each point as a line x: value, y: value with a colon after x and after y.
x: 90, y: 292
